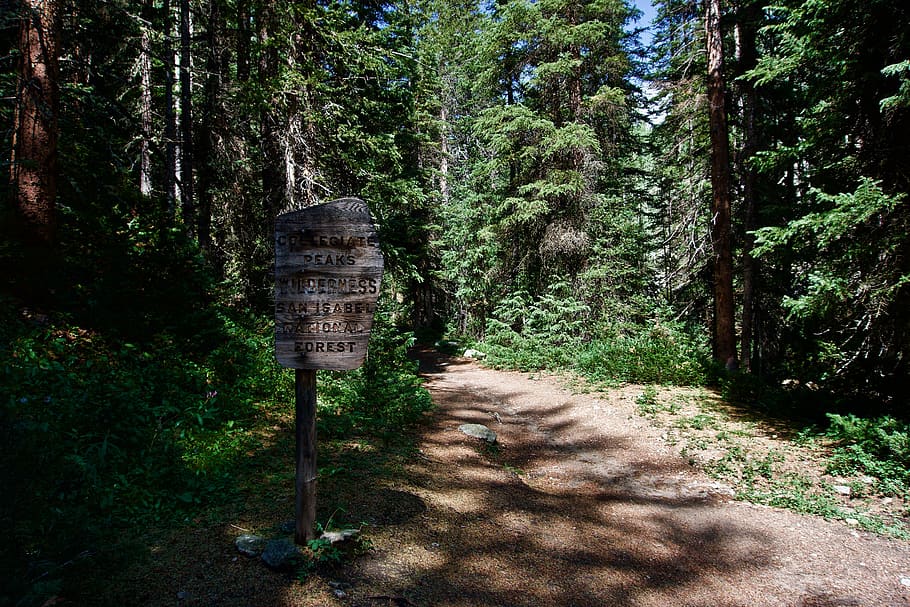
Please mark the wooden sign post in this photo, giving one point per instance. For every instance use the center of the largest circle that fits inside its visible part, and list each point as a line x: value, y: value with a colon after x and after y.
x: 328, y: 270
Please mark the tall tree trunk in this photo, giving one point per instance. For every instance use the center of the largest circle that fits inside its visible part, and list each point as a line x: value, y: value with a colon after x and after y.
x: 747, y: 59
x: 300, y: 140
x: 34, y: 145
x: 721, y: 222
x: 170, y: 116
x: 243, y: 40
x: 444, y: 153
x: 187, y: 198
x: 145, y: 102
x: 273, y: 182
x: 206, y: 165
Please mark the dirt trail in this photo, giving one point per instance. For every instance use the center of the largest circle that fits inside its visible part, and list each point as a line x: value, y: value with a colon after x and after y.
x: 582, y: 504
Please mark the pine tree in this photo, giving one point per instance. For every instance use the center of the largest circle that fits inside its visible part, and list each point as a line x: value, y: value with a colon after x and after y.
x: 724, y: 333
x: 556, y: 134
x: 34, y: 154
x: 840, y: 258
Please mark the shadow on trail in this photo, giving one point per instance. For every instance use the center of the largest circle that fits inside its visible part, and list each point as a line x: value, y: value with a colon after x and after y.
x: 563, y: 512
x: 572, y: 509
x: 514, y: 526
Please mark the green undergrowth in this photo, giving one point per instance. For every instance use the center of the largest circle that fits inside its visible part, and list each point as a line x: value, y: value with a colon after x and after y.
x: 661, y: 354
x: 102, y: 434
x: 555, y: 331
x: 381, y: 397
x: 787, y: 466
x: 105, y: 436
x: 875, y: 447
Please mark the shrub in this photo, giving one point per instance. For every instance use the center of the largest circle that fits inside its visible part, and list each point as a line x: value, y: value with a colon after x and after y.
x: 878, y: 447
x: 660, y: 354
x: 529, y: 333
x: 101, y: 433
x: 381, y: 396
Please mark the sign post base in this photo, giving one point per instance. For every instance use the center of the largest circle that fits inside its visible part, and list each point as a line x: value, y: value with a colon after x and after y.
x: 305, y: 501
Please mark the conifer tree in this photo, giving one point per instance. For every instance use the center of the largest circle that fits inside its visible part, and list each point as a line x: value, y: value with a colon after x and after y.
x: 34, y: 154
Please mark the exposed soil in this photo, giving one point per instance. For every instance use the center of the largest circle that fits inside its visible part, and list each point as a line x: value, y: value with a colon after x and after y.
x: 582, y: 502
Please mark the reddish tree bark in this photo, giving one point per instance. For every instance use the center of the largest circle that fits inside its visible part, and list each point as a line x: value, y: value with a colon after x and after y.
x: 34, y: 153
x: 721, y: 222
x: 747, y: 57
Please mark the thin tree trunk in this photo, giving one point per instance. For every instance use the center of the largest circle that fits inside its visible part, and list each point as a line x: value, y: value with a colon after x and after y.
x: 34, y: 145
x: 746, y: 31
x: 170, y: 116
x: 301, y: 173
x: 444, y: 153
x: 273, y: 182
x: 187, y: 198
x: 145, y: 103
x: 207, y: 135
x: 243, y: 40
x: 721, y: 222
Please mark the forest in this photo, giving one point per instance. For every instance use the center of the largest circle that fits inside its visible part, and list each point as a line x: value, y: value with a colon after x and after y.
x: 721, y: 202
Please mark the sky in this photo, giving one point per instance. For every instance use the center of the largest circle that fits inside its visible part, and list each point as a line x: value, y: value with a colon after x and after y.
x: 647, y: 16
x: 645, y: 7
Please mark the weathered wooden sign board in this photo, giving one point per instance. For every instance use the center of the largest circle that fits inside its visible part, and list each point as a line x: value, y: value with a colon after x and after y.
x: 328, y: 270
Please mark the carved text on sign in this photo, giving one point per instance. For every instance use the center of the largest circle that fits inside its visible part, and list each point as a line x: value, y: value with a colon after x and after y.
x: 328, y: 273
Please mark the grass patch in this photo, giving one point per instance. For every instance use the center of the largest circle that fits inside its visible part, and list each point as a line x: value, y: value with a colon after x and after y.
x: 790, y: 468
x: 701, y: 421
x: 661, y: 354
x: 554, y: 331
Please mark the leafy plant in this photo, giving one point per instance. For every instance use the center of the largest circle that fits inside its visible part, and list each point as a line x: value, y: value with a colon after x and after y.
x: 102, y: 434
x: 322, y: 552
x: 848, y: 292
x: 529, y: 333
x: 383, y: 395
x: 647, y: 402
x: 661, y: 354
x: 878, y: 447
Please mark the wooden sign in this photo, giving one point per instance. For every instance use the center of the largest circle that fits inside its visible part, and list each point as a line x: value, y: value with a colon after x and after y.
x: 328, y: 270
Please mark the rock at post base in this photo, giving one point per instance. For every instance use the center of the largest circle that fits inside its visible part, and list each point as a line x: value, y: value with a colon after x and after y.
x: 281, y: 555
x: 345, y: 540
x: 338, y: 537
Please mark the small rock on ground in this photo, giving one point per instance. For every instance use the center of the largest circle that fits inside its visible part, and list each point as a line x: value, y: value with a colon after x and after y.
x: 478, y: 431
x: 250, y: 545
x: 344, y: 535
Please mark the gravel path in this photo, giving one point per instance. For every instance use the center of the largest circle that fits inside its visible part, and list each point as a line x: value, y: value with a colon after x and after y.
x: 582, y: 504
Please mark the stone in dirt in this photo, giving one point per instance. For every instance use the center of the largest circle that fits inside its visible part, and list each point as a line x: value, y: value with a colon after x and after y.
x: 338, y: 537
x: 281, y: 555
x: 344, y: 540
x: 478, y: 431
x: 250, y: 545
